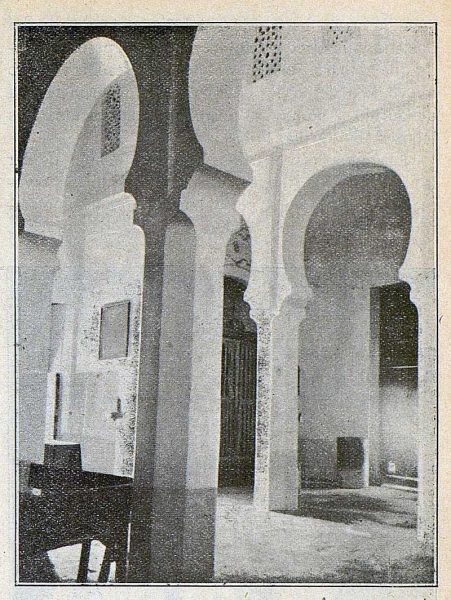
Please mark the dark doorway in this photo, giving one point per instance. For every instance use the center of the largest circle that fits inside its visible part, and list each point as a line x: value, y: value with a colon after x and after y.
x: 238, y: 389
x: 398, y: 384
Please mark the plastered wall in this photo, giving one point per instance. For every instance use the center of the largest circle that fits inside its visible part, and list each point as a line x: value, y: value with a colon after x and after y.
x: 334, y: 359
x: 112, y: 272
x: 98, y: 260
x: 329, y: 77
x: 37, y: 265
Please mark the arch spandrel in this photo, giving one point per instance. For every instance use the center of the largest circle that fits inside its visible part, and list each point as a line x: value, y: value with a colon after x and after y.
x: 215, y: 82
x: 243, y: 106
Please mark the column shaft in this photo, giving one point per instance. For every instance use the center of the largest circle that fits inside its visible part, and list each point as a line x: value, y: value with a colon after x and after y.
x: 276, y: 464
x: 427, y: 418
x: 180, y: 519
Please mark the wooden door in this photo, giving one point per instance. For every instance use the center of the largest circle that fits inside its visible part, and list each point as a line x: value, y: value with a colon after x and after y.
x: 238, y: 392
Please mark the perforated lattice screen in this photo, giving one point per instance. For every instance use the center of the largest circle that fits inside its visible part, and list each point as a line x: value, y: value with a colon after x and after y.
x: 339, y: 35
x: 267, y: 51
x: 111, y: 120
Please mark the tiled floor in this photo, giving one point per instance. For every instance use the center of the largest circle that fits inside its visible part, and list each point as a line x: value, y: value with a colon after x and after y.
x: 364, y: 536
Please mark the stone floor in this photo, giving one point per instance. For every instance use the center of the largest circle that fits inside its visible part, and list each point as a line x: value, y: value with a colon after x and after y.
x: 337, y: 536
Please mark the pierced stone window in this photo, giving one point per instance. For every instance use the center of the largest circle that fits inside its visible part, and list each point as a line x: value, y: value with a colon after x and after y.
x: 111, y: 120
x: 267, y: 51
x: 423, y: 30
x: 339, y: 35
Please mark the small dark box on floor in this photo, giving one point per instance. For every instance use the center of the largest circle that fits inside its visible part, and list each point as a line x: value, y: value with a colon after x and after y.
x: 351, y: 462
x: 350, y: 453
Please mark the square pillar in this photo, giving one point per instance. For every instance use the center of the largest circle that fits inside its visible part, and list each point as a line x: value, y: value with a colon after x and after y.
x: 277, y: 418
x: 176, y: 513
x: 38, y: 264
x: 423, y: 295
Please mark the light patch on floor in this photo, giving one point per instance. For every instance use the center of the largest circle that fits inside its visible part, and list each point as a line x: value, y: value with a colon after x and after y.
x: 336, y: 536
x: 353, y: 536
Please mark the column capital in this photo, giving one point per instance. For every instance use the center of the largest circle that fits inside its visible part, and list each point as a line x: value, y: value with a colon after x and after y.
x: 293, y: 306
x: 210, y: 202
x: 291, y: 311
x: 422, y: 284
x: 263, y: 317
x: 37, y: 252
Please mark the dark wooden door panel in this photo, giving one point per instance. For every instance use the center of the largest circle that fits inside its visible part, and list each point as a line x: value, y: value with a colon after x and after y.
x: 238, y: 411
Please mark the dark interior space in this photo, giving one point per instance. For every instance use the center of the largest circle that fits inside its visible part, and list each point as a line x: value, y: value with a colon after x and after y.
x: 238, y: 389
x: 398, y: 383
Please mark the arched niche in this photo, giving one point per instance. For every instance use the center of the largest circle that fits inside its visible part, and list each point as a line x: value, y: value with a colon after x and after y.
x: 403, y: 144
x: 358, y: 234
x: 59, y: 138
x: 302, y: 209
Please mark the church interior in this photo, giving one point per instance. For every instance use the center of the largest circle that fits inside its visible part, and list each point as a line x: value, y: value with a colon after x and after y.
x: 226, y: 313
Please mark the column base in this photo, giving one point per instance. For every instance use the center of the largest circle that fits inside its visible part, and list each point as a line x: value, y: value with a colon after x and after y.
x: 180, y: 524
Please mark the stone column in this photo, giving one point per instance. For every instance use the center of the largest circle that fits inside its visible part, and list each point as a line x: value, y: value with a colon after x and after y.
x: 278, y: 319
x: 264, y: 321
x: 276, y: 445
x: 423, y: 296
x: 181, y: 522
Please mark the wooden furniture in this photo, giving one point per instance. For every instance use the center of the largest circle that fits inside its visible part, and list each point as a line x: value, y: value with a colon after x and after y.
x: 63, y: 455
x: 76, y: 507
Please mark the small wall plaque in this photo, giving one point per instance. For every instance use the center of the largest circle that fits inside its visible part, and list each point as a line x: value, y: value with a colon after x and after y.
x: 114, y: 330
